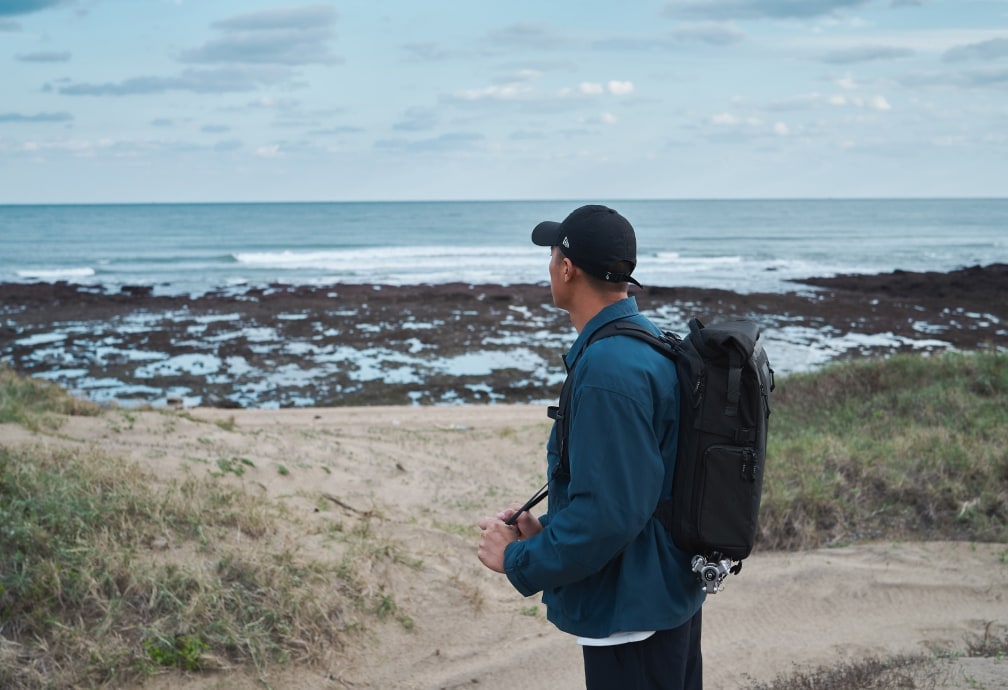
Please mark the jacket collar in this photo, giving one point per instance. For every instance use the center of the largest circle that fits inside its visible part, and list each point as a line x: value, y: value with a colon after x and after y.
x: 617, y: 310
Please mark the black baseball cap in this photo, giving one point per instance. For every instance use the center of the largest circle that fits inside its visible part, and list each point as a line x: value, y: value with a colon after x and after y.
x: 597, y: 239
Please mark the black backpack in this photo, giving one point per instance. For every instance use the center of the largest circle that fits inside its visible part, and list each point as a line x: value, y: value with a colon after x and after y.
x: 725, y: 381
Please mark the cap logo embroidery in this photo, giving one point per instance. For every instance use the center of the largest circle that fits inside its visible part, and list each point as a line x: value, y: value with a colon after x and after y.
x: 565, y: 243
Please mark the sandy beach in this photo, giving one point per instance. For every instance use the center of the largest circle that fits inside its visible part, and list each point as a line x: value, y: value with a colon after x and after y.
x: 421, y: 477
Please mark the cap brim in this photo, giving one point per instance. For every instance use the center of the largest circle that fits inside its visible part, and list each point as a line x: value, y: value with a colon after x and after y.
x: 546, y: 234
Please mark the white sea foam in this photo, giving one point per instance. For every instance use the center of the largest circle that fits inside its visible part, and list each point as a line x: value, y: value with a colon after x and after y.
x: 54, y: 274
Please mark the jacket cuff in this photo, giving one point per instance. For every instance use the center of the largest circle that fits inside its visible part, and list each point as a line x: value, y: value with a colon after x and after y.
x: 515, y: 558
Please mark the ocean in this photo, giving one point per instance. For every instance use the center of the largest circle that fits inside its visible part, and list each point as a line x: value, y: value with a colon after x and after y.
x: 744, y: 246
x: 220, y: 336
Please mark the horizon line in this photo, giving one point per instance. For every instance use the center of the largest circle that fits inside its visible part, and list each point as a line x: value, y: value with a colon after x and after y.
x: 490, y: 201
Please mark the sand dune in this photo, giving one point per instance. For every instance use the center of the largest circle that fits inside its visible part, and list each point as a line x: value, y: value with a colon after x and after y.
x: 426, y: 475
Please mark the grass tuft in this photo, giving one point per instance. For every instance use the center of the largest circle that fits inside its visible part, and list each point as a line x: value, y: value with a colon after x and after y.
x: 37, y: 404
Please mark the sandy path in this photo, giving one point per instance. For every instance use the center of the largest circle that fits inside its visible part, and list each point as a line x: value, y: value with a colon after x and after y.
x: 430, y: 473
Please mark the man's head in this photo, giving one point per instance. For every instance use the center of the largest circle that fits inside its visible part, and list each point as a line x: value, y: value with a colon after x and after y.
x: 596, y: 239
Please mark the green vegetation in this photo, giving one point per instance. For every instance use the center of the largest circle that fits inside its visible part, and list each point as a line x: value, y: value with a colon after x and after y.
x: 37, y: 404
x: 909, y: 447
x: 233, y: 465
x: 919, y: 671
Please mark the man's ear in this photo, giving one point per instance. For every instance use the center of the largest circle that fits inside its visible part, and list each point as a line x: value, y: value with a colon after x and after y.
x: 568, y: 269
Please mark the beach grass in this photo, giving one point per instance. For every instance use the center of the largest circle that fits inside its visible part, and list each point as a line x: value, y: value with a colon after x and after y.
x: 93, y: 590
x: 89, y: 594
x: 920, y: 671
x: 909, y: 447
x: 35, y: 403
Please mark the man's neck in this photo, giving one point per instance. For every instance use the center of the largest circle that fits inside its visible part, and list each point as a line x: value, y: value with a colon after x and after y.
x: 590, y: 305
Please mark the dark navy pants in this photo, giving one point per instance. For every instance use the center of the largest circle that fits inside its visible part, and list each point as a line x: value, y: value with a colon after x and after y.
x: 668, y: 660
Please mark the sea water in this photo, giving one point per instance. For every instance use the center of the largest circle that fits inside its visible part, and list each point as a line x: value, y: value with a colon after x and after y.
x: 745, y: 246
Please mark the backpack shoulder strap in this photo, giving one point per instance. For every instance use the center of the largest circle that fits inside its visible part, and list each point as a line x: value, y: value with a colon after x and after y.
x: 560, y: 413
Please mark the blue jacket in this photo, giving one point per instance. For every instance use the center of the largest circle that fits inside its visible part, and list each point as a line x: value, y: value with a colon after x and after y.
x: 603, y: 561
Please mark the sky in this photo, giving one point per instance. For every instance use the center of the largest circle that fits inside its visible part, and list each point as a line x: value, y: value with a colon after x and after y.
x: 108, y: 101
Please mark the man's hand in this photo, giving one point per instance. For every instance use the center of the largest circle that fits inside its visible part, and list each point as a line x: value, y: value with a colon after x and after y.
x: 495, y: 536
x: 528, y: 524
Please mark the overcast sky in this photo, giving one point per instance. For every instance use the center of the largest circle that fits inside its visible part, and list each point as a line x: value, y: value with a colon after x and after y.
x: 241, y: 100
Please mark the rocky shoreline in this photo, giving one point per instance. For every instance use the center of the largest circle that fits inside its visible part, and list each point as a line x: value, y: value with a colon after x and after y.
x: 292, y: 346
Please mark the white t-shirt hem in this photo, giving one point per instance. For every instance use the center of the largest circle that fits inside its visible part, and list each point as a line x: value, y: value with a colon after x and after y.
x: 616, y: 638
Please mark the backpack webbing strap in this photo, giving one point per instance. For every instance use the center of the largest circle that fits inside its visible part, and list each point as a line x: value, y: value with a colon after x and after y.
x: 734, y: 383
x: 560, y: 413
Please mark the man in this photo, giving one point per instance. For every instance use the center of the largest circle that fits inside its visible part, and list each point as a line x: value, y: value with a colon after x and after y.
x: 607, y: 568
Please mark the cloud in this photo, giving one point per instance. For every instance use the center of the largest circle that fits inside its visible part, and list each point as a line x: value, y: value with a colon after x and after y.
x: 295, y: 36
x: 994, y: 49
x: 522, y: 75
x: 257, y: 49
x: 455, y: 141
x: 495, y: 92
x: 708, y: 33
x: 977, y: 78
x: 270, y: 103
x: 879, y: 103
x: 521, y: 90
x: 758, y: 9
x: 19, y: 118
x: 6, y: 25
x: 837, y: 100
x: 732, y: 120
x: 226, y: 145
x: 336, y: 131
x: 591, y: 89
x: 12, y: 7
x: 866, y: 53
x: 45, y: 56
x: 847, y: 82
x: 527, y: 35
x: 686, y: 35
x: 417, y: 120
x: 148, y: 149
x: 620, y: 88
x: 427, y: 52
x: 307, y: 17
x: 277, y: 47
x: 225, y: 80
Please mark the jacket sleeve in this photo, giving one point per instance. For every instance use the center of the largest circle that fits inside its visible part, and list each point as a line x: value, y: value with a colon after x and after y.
x: 616, y: 478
